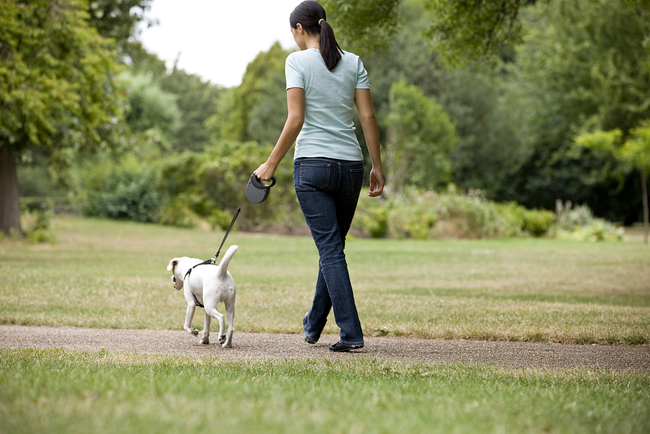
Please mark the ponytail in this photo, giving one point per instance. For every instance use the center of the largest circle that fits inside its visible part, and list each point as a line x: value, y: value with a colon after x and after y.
x: 311, y: 15
x: 329, y: 48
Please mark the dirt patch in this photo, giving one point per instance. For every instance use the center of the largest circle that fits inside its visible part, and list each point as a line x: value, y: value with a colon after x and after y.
x: 263, y: 346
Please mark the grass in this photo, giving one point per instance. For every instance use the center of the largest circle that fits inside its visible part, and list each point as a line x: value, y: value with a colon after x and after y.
x: 59, y: 391
x: 111, y: 274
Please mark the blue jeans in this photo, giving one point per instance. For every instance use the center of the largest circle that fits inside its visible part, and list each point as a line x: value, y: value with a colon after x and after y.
x: 328, y: 192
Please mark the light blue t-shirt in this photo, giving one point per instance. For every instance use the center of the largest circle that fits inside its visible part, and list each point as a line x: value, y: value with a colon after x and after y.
x: 328, y: 130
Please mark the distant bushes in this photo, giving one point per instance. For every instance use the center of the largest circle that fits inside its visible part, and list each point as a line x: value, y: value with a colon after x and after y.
x: 36, y: 220
x: 580, y: 224
x: 451, y: 214
x: 203, y: 189
x: 189, y: 189
x: 125, y: 195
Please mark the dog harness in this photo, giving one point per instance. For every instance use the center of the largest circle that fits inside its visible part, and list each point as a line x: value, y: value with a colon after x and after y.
x: 211, y: 261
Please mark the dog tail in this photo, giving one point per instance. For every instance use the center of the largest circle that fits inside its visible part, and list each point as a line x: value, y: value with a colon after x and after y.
x: 223, y: 265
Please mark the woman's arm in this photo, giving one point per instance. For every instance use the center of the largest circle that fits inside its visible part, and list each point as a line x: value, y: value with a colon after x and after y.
x: 292, y: 127
x: 363, y: 101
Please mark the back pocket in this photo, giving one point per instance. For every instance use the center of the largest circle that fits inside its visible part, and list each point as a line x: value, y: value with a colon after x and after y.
x: 314, y: 176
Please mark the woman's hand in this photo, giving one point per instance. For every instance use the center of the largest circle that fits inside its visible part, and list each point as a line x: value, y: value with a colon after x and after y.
x: 376, y: 182
x: 265, y: 171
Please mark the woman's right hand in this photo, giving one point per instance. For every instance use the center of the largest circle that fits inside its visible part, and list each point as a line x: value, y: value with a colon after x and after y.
x: 376, y: 182
x: 265, y: 171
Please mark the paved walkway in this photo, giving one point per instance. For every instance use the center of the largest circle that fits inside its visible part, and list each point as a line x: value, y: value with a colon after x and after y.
x: 264, y: 346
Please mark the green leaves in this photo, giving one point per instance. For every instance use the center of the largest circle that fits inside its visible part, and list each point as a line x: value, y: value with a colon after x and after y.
x: 363, y: 26
x: 56, y: 79
x: 469, y: 30
x: 420, y: 139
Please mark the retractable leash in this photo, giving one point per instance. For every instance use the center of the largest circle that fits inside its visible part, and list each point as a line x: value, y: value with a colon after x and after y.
x: 256, y: 192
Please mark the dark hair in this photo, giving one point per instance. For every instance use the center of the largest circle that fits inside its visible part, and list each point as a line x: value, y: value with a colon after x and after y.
x: 309, y: 14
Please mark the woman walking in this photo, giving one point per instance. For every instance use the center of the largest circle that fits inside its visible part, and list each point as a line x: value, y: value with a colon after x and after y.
x: 324, y: 84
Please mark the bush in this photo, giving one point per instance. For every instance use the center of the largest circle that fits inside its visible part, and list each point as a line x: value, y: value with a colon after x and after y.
x: 411, y: 216
x: 538, y: 222
x: 372, y: 217
x: 36, y: 216
x: 580, y: 224
x: 450, y: 214
x: 471, y: 215
x: 126, y: 195
x: 422, y: 215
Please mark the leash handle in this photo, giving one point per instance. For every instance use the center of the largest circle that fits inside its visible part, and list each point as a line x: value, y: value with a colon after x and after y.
x: 226, y: 236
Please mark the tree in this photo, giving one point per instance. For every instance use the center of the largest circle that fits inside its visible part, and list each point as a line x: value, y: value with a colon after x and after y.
x: 580, y: 68
x: 57, y: 89
x: 196, y: 100
x: 263, y: 82
x: 363, y: 26
x: 117, y: 19
x: 153, y: 113
x: 463, y: 30
x: 420, y: 139
x: 633, y: 154
x: 460, y: 31
x: 491, y: 145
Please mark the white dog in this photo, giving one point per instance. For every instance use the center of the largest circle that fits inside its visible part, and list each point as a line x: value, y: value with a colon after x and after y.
x: 206, y: 286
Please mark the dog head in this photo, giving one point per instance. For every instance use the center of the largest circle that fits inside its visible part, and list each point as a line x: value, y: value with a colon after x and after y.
x: 177, y: 278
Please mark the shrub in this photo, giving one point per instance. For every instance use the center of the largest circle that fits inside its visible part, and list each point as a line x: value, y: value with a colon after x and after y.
x: 126, y: 195
x: 36, y: 216
x: 538, y: 222
x: 411, y: 216
x: 449, y: 214
x: 211, y: 185
x: 372, y: 217
x: 580, y: 224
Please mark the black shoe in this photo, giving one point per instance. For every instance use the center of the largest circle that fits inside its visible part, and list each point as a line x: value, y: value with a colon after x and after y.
x: 309, y: 340
x: 342, y: 348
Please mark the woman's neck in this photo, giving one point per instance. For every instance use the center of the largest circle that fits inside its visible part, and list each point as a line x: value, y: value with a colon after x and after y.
x: 312, y: 41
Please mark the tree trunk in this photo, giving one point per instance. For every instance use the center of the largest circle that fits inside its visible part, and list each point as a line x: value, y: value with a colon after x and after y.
x: 644, y: 192
x: 9, y: 194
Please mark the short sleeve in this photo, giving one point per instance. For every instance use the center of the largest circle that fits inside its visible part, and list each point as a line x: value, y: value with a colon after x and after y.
x: 362, y: 76
x: 293, y: 73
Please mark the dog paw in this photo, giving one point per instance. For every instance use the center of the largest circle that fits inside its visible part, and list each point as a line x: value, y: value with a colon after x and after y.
x: 227, y: 345
x: 195, y: 332
x: 205, y: 340
x: 222, y: 339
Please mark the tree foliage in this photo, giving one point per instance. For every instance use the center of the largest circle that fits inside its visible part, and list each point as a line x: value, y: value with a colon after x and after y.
x: 56, y: 86
x: 420, y: 139
x: 463, y: 30
x: 580, y: 68
x: 363, y: 26
x: 257, y: 108
x: 153, y: 113
x: 117, y: 19
x: 633, y: 154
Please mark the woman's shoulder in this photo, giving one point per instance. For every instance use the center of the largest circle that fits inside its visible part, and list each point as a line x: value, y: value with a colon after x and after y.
x: 350, y: 58
x: 303, y: 57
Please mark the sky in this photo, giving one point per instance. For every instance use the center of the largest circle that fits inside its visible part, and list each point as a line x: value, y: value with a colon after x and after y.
x: 216, y: 39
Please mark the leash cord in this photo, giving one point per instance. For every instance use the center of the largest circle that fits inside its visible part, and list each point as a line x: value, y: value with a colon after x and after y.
x: 213, y: 261
x: 227, y: 232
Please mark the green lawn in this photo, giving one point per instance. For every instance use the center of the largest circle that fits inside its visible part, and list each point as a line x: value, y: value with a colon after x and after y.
x: 113, y: 274
x: 58, y: 391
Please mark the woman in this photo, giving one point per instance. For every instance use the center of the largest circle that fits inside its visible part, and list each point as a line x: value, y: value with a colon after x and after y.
x: 324, y: 84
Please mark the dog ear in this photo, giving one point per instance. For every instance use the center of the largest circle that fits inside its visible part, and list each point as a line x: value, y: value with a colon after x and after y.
x: 172, y: 265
